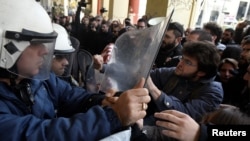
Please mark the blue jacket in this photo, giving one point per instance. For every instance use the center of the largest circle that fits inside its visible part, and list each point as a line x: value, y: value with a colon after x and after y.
x: 192, y: 98
x: 56, y: 114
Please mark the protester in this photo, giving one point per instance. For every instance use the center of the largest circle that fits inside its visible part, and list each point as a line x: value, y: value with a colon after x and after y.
x: 189, y: 87
x: 170, y: 46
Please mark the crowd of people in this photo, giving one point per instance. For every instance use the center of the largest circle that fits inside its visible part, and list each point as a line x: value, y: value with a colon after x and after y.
x: 199, y: 77
x: 95, y: 32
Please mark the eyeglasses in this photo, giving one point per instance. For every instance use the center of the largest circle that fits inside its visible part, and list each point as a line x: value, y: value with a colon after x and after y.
x: 186, y: 61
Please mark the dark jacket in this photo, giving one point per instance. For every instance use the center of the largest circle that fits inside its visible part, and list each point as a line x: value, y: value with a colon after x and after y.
x: 163, y: 54
x: 53, y: 115
x: 192, y: 98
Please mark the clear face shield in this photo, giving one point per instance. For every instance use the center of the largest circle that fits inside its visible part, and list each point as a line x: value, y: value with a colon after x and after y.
x: 62, y: 64
x: 133, y: 56
x: 35, y: 60
x: 29, y: 54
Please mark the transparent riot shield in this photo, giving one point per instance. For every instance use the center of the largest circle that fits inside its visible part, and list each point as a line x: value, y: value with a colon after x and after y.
x: 133, y: 56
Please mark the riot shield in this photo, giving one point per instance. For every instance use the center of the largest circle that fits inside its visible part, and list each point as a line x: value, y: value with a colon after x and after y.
x: 133, y: 56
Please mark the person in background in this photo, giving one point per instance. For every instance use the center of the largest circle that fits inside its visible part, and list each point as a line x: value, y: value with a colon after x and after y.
x: 216, y: 31
x: 227, y: 37
x: 227, y: 68
x: 63, y: 56
x: 242, y: 30
x: 193, y: 36
x: 186, y: 33
x: 232, y: 51
x: 115, y: 32
x: 141, y: 24
x: 104, y: 37
x: 242, y: 99
x: 227, y: 71
x: 237, y: 84
x: 127, y: 26
x: 170, y: 46
x: 127, y: 22
x: 198, y: 35
x: 99, y: 20
x: 90, y: 43
x: 35, y: 103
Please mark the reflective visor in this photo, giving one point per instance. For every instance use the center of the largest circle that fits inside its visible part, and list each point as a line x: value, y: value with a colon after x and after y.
x: 32, y: 55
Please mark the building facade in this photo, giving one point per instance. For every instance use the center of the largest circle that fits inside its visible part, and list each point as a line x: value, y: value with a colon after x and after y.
x: 190, y: 13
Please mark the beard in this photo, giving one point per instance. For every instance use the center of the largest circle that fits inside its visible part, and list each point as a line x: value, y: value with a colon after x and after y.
x: 167, y: 46
x: 189, y: 76
x: 225, y: 41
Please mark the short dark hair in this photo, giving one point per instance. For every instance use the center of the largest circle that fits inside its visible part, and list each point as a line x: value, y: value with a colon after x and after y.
x: 214, y: 29
x: 231, y: 30
x: 227, y: 116
x: 232, y: 51
x: 142, y: 20
x: 203, y: 35
x: 206, y: 54
x: 177, y: 27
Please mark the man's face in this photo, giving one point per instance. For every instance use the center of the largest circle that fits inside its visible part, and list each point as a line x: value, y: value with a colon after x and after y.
x: 225, y: 72
x: 187, y: 31
x: 99, y: 21
x: 116, y: 31
x: 226, y: 37
x: 85, y: 21
x: 105, y: 28
x: 187, y: 68
x: 59, y: 64
x: 245, y: 54
x: 192, y: 37
x: 214, y: 37
x: 169, y: 40
x: 31, y: 60
x: 93, y: 24
x: 141, y: 25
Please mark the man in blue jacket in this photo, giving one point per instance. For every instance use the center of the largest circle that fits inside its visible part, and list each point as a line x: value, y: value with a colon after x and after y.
x: 38, y: 106
x: 189, y: 87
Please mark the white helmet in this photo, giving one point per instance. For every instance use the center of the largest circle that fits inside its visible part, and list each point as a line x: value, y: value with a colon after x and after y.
x: 63, y: 49
x: 23, y: 23
x: 63, y: 43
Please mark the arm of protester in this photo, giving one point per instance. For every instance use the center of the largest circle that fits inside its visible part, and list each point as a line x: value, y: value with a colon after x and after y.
x: 178, y: 125
x: 153, y: 90
x: 103, y: 58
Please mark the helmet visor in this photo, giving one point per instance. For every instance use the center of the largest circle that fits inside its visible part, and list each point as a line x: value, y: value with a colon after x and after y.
x: 28, y: 54
x: 34, y: 61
